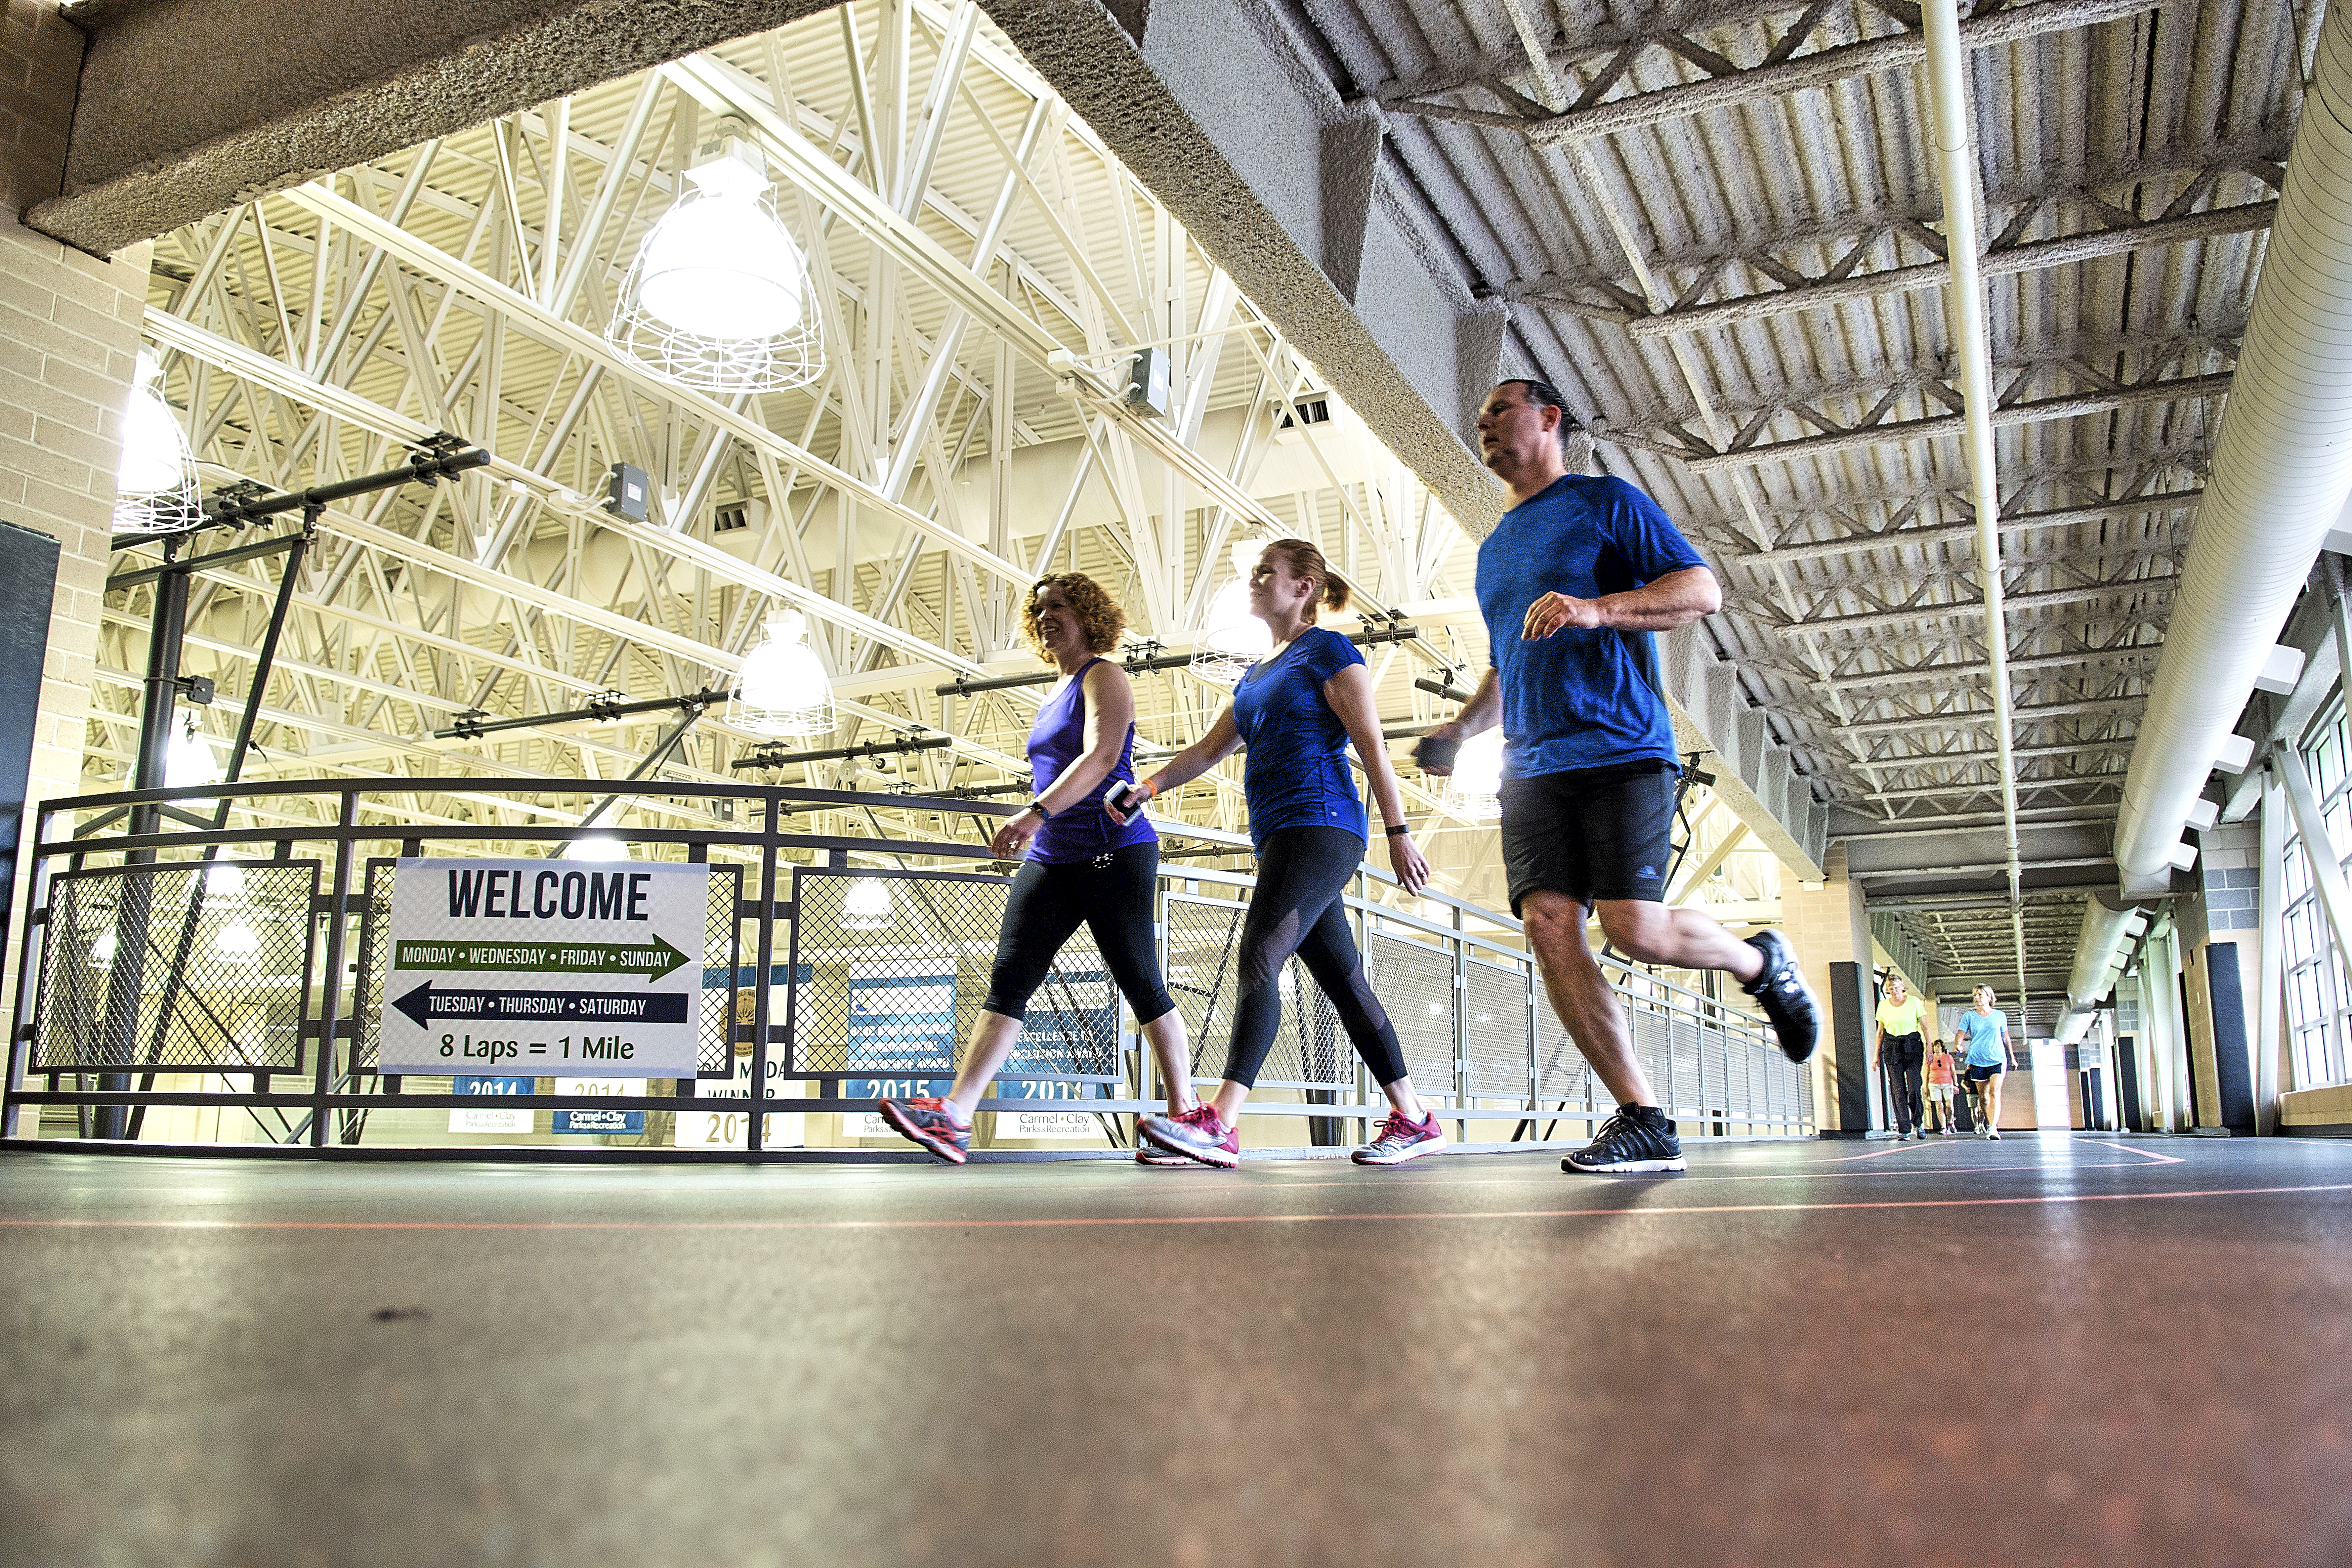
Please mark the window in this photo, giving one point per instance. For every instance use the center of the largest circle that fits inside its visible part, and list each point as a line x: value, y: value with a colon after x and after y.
x: 2318, y: 1001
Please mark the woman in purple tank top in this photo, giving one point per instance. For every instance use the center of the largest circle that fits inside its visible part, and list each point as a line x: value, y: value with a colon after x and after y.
x: 1081, y: 868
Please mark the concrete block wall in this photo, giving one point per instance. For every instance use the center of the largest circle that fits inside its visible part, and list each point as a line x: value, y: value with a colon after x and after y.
x: 69, y: 344
x: 2228, y: 876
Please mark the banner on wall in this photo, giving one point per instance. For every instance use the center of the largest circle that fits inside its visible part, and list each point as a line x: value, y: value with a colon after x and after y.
x: 729, y: 1128
x: 562, y: 968
x: 600, y: 1120
x: 488, y: 1118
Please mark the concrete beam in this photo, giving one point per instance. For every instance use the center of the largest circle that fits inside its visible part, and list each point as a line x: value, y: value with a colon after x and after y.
x: 1754, y: 774
x: 1926, y: 857
x: 1213, y: 106
x: 294, y: 91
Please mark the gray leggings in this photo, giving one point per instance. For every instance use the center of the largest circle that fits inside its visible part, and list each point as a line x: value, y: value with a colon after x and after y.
x: 1301, y: 873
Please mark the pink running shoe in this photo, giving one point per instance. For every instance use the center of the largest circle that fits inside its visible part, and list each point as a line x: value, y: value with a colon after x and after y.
x: 1198, y: 1135
x: 1402, y: 1139
x: 930, y: 1123
x: 1149, y: 1153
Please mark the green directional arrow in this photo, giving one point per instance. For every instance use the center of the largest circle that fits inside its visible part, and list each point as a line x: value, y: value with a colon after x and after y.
x: 650, y: 959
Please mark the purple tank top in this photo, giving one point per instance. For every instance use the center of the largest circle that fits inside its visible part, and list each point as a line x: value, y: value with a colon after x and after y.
x: 1082, y: 831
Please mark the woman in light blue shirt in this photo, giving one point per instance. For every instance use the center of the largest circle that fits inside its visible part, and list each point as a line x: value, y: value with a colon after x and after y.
x: 1986, y: 1033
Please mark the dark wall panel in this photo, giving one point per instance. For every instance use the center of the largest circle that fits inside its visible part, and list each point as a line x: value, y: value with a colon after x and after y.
x: 28, y: 582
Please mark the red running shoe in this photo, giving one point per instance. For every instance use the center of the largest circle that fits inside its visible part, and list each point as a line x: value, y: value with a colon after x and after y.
x: 930, y: 1123
x: 1198, y: 1135
x: 1402, y: 1139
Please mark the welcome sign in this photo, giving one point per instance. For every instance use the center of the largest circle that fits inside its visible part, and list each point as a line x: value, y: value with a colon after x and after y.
x: 545, y: 967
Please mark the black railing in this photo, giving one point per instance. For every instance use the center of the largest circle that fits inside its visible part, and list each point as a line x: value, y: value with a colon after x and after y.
x: 156, y: 954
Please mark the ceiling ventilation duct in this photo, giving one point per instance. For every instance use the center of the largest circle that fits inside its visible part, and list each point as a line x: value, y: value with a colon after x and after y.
x: 2108, y: 924
x: 2282, y: 468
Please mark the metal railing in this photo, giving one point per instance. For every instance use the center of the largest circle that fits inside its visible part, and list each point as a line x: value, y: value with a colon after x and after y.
x: 259, y: 954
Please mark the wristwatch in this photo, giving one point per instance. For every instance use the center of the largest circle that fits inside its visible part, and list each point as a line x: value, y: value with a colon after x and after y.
x: 1398, y: 829
x: 1038, y: 805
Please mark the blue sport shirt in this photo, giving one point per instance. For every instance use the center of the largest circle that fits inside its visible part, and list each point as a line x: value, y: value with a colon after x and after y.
x: 1296, y: 774
x: 1578, y: 698
x: 1984, y: 1038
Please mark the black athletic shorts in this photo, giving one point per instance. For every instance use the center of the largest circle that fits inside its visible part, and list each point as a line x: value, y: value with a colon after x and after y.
x: 1591, y: 833
x: 1977, y: 1074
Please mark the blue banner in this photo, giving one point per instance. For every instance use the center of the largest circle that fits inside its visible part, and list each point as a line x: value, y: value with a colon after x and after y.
x: 470, y: 1084
x: 630, y: 1121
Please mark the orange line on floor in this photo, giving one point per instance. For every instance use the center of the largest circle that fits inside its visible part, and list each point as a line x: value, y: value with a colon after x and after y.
x: 1090, y: 1220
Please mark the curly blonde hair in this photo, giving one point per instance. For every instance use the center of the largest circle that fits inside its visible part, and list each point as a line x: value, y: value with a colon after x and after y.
x: 1098, y: 614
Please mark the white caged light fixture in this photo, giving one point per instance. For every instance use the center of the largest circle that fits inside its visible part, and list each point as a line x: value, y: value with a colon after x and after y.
x: 155, y: 479
x: 782, y: 688
x: 867, y: 905
x: 1232, y: 640
x: 1475, y: 788
x: 189, y: 760
x: 719, y: 297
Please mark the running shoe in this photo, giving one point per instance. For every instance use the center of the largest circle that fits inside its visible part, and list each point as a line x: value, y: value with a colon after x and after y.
x: 1402, y: 1139
x: 1637, y: 1139
x: 1198, y: 1135
x: 1788, y: 1000
x: 930, y: 1123
x: 1149, y: 1153
x: 1994, y: 1135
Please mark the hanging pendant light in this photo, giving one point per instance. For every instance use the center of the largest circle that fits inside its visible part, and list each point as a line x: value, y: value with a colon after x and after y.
x: 867, y: 906
x: 719, y: 297
x: 782, y: 688
x: 155, y: 479
x: 1475, y: 787
x: 1232, y: 640
x: 189, y: 760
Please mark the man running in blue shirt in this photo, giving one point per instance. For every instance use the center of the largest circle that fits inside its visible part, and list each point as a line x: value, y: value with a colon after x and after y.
x: 1571, y: 583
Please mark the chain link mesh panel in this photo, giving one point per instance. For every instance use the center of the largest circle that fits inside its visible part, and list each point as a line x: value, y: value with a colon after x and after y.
x: 1414, y: 980
x: 186, y: 966
x: 1501, y: 1007
x: 889, y: 968
x: 1202, y: 952
x: 722, y: 947
x: 374, y: 948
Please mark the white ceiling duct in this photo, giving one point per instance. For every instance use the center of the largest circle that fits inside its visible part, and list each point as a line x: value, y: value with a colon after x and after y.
x: 2107, y: 927
x: 2282, y: 469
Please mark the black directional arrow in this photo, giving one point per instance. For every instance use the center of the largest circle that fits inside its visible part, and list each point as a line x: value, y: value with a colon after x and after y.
x: 543, y: 1006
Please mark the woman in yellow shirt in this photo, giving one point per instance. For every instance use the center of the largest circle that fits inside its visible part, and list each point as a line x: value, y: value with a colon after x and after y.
x: 1902, y: 1029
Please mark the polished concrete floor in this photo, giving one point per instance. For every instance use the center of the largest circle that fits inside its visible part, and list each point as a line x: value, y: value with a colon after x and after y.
x: 2035, y: 1350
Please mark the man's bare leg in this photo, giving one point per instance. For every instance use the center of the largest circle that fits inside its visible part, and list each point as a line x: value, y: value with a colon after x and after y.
x: 1649, y: 932
x: 1581, y: 995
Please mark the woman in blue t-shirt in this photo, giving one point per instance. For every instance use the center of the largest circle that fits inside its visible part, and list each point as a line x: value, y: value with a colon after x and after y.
x: 1080, y: 868
x: 1296, y: 709
x: 1986, y: 1033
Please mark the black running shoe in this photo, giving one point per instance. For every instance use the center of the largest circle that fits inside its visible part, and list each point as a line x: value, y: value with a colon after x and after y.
x: 1637, y: 1139
x: 1788, y: 1000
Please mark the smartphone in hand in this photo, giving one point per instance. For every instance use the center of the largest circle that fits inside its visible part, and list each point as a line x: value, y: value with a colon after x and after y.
x: 1121, y: 797
x: 1434, y: 755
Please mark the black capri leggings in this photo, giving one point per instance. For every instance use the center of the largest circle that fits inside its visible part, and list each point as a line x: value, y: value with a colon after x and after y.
x: 1112, y: 895
x: 1297, y: 908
